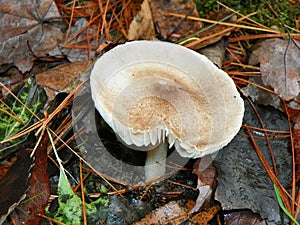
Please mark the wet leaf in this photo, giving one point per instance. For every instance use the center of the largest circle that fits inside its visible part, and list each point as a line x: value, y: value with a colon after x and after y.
x: 279, y: 66
x: 38, y: 191
x: 177, y: 213
x: 14, y: 183
x: 244, y: 218
x: 29, y: 26
x: 261, y: 96
x: 170, y: 213
x: 242, y: 180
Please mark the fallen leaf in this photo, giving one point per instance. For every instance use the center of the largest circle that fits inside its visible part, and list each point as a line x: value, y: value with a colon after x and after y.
x: 10, y: 78
x: 242, y: 180
x: 244, y: 218
x: 279, y: 66
x: 174, y: 28
x: 205, y: 216
x: 215, y: 52
x: 176, y: 213
x: 142, y: 27
x: 39, y: 189
x: 77, y: 50
x: 62, y: 78
x: 207, y: 177
x: 28, y: 26
x: 14, y: 183
x: 213, y: 34
x: 170, y: 213
x: 261, y: 96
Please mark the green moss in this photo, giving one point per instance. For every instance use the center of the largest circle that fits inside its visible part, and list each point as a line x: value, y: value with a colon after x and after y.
x: 286, y: 11
x: 9, y: 125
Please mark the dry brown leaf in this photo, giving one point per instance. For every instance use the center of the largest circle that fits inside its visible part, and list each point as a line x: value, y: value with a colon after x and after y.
x: 174, y: 28
x: 141, y: 27
x: 214, y: 34
x: 205, y: 216
x: 279, y: 66
x: 63, y: 78
x: 28, y: 26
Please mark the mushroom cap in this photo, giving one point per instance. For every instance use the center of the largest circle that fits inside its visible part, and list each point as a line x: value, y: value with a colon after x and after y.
x: 152, y: 91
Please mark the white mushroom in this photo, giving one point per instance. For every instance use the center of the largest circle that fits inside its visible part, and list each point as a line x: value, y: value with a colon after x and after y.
x: 157, y: 94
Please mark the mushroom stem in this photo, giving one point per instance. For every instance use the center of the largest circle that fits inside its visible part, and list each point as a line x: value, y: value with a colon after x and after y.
x: 155, y: 165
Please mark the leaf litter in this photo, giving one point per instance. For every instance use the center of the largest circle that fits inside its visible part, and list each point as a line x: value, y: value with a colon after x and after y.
x: 70, y: 206
x: 29, y: 29
x: 243, y: 181
x: 38, y: 189
x: 228, y: 64
x: 279, y: 67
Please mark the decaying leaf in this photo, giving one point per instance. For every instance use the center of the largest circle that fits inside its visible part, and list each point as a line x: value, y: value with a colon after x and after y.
x: 207, y: 177
x: 174, y: 28
x: 63, y: 78
x: 242, y: 180
x: 28, y: 27
x: 245, y: 217
x: 215, y: 52
x: 215, y: 33
x: 206, y: 215
x: 174, y: 213
x: 170, y: 213
x: 261, y: 96
x: 38, y: 189
x: 77, y: 53
x: 279, y: 66
x: 14, y: 183
x: 142, y: 27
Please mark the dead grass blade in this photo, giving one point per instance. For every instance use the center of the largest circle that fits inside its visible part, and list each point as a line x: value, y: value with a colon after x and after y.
x: 231, y: 25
